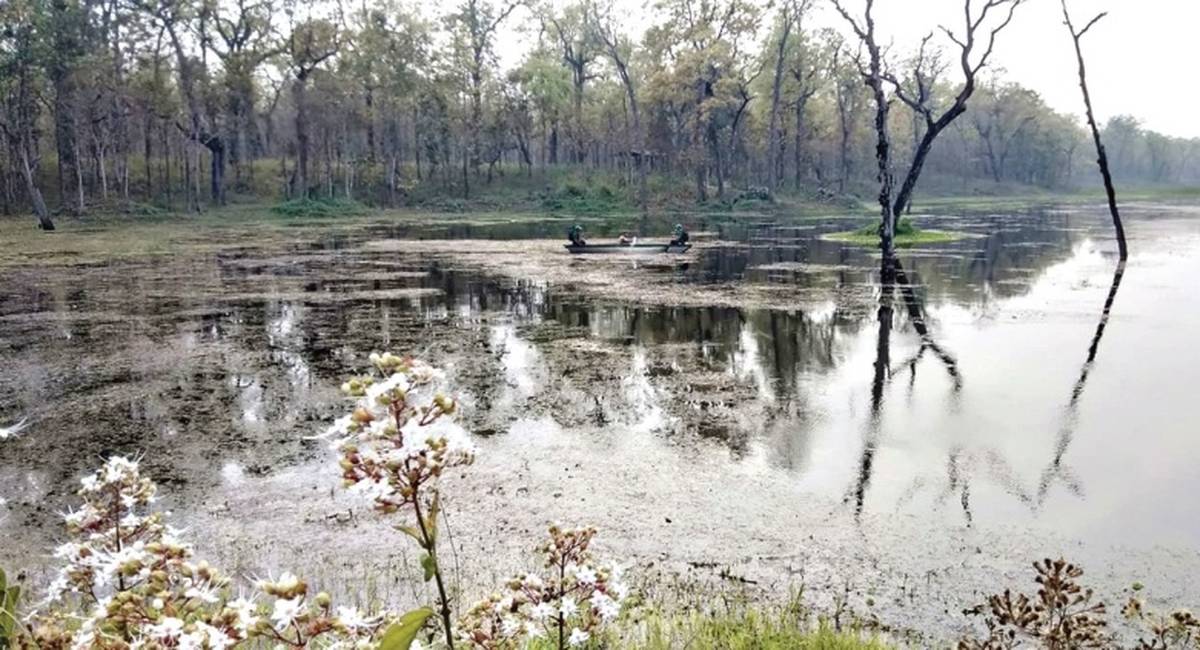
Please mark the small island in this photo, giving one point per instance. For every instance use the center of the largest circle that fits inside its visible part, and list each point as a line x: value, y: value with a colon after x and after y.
x: 907, y: 234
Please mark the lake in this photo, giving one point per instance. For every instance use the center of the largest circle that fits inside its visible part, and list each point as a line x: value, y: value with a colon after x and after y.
x: 758, y: 408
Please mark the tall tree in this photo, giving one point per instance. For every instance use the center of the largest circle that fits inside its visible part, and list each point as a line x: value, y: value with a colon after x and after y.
x: 619, y: 50
x: 68, y: 25
x: 474, y: 27
x: 18, y: 101
x: 310, y: 44
x: 579, y: 48
x: 791, y: 14
x: 245, y: 39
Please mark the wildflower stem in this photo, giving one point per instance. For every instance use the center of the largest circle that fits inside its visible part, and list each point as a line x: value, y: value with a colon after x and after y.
x: 562, y: 591
x: 430, y: 546
x: 117, y: 533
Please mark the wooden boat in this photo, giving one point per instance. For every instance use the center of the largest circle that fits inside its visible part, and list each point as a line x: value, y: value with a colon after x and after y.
x: 633, y: 249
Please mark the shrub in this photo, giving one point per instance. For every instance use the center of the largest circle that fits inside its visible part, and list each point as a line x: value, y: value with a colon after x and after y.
x: 905, y: 227
x: 321, y: 207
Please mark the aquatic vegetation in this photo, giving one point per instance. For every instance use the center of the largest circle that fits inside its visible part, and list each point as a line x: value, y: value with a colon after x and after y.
x: 1064, y: 615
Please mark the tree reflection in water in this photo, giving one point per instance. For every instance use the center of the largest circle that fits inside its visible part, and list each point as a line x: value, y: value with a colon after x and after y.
x: 961, y: 458
x: 1056, y: 471
x: 893, y: 280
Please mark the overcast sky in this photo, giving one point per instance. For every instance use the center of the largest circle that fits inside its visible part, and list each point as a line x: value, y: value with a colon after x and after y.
x: 1141, y: 58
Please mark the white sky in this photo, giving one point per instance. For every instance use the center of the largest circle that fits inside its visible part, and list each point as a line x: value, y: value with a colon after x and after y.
x: 1140, y: 58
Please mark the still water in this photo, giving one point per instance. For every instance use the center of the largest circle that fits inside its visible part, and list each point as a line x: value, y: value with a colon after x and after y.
x: 978, y: 394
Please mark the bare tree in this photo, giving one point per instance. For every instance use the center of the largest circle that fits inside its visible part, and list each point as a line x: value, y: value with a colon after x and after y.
x: 918, y: 93
x: 1101, y: 155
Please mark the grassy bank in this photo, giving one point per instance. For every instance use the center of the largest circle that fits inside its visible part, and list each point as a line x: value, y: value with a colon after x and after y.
x: 786, y: 628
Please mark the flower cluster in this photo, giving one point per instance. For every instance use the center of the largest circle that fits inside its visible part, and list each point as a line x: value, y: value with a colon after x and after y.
x: 569, y: 604
x: 298, y: 621
x: 130, y: 572
x: 395, y: 439
x: 129, y: 581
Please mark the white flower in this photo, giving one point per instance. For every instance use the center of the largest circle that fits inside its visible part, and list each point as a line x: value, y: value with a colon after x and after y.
x: 246, y: 616
x: 533, y: 630
x: 205, y: 593
x: 568, y: 607
x: 510, y: 626
x: 118, y: 468
x: 286, y: 611
x: 216, y: 639
x: 606, y: 607
x: 192, y: 641
x: 578, y: 637
x: 542, y: 611
x: 287, y: 582
x: 354, y: 619
x: 585, y: 575
x: 169, y: 628
x: 58, y: 587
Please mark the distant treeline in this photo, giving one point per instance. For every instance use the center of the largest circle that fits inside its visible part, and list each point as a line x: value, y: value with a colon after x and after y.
x: 181, y: 102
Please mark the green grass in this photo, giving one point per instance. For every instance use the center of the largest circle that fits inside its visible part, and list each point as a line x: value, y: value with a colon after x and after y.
x: 747, y: 627
x: 907, y: 234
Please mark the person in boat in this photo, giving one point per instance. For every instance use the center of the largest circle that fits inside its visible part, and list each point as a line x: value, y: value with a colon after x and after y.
x: 681, y: 236
x: 575, y: 235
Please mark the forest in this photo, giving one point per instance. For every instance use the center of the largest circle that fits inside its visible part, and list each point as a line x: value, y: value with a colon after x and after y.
x: 124, y: 105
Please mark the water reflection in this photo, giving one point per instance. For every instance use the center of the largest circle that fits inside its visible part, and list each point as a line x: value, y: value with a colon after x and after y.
x: 1056, y: 472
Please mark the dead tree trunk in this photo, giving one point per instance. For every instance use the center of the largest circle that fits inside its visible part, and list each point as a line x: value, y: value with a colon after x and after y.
x: 873, y: 75
x: 1101, y: 155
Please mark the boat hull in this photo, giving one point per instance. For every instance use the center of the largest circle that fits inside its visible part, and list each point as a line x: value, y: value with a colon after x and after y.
x: 626, y: 249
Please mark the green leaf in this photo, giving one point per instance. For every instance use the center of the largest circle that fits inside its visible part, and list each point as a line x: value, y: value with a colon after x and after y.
x: 8, y: 609
x: 402, y: 633
x: 430, y: 566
